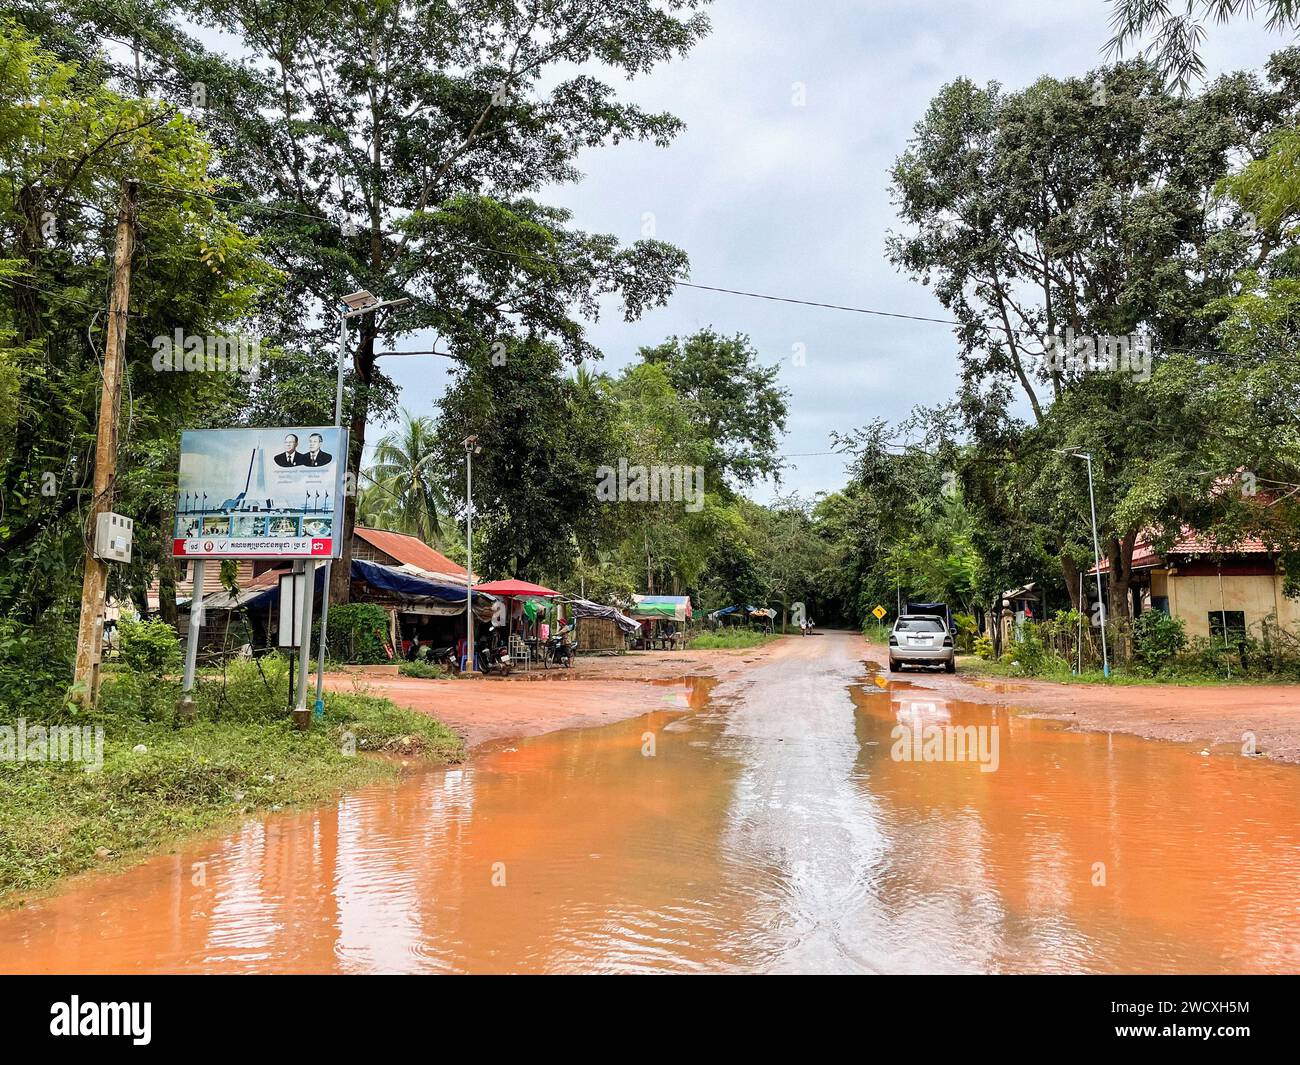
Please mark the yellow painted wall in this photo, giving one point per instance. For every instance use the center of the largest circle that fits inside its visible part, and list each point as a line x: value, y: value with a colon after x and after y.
x: 1193, y: 598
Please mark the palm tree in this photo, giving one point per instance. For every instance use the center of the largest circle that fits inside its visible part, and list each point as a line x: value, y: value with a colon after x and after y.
x: 405, y: 470
x: 377, y: 506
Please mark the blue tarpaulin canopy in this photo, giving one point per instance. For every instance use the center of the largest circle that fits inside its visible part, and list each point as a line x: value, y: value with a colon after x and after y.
x: 761, y: 612
x: 404, y: 582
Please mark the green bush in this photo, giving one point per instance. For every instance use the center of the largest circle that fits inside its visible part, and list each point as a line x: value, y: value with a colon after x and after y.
x: 874, y: 631
x: 150, y: 648
x: 983, y: 647
x: 1158, y: 638
x: 1031, y: 654
x: 356, y: 633
x: 423, y: 670
x: 967, y: 632
x: 35, y: 667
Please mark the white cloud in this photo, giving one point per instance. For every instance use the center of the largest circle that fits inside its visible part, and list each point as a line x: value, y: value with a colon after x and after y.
x: 794, y: 201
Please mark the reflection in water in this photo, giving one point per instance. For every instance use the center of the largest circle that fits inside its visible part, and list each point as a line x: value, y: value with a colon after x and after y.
x: 770, y: 830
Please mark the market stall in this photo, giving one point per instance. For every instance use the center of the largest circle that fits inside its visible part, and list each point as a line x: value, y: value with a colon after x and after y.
x: 528, y: 617
x: 601, y: 628
x: 663, y: 619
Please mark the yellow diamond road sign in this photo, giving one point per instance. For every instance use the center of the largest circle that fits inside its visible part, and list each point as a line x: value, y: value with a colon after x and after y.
x: 879, y: 612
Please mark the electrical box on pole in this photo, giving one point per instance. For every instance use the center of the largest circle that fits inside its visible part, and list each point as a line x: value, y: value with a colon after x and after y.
x: 113, y: 537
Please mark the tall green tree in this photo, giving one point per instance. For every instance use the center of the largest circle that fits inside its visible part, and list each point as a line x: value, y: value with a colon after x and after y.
x: 534, y: 478
x: 1086, y: 208
x: 655, y: 426
x: 399, y: 147
x: 68, y: 141
x: 733, y: 396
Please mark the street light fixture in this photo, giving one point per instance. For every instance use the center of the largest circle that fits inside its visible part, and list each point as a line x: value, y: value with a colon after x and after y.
x: 1096, y: 553
x: 472, y: 448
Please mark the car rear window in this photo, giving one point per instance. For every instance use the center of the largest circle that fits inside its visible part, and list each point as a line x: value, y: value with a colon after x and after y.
x: 920, y: 625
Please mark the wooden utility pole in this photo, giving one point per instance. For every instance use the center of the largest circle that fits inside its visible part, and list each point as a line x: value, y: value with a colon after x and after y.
x: 90, y: 632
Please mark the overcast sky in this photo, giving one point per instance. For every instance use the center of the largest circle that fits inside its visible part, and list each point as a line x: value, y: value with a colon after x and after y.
x: 769, y: 196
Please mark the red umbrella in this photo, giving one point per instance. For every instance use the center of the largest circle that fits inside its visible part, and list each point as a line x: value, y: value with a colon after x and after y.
x: 513, y: 587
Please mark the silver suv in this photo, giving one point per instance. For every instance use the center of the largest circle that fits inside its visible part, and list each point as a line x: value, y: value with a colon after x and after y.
x: 921, y: 640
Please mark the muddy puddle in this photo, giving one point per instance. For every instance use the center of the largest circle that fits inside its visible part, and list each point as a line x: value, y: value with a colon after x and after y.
x: 778, y: 828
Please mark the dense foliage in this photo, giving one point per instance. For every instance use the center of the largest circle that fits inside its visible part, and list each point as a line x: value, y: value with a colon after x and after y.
x: 403, y: 148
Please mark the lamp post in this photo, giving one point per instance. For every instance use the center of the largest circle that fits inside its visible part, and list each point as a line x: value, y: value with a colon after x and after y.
x: 354, y: 303
x: 1096, y: 554
x: 471, y: 449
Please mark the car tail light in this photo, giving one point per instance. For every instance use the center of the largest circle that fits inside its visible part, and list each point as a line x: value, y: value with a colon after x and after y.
x: 947, y: 641
x: 893, y: 640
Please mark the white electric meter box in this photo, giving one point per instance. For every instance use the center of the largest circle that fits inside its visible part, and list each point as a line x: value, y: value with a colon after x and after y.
x: 113, y: 536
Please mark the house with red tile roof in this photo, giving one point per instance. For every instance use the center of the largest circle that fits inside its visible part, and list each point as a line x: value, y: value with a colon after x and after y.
x: 1213, y: 587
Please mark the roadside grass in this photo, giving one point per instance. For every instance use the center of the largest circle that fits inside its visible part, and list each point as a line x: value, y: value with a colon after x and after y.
x: 425, y: 671
x: 730, y: 639
x: 240, y: 756
x: 972, y: 665
x: 875, y: 632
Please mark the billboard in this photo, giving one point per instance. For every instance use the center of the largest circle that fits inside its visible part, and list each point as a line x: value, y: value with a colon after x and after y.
x: 261, y: 493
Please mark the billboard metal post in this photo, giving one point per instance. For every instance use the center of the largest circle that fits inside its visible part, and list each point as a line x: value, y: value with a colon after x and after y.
x: 192, y: 644
x: 301, y: 715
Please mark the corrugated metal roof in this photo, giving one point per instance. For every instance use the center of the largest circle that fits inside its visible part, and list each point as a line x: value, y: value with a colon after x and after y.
x: 409, y: 549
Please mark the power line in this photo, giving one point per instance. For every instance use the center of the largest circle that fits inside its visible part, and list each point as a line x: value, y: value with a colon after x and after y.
x: 813, y: 303
x: 509, y: 253
x: 525, y: 256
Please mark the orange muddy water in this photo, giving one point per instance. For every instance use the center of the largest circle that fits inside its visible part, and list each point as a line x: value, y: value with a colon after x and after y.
x: 769, y: 823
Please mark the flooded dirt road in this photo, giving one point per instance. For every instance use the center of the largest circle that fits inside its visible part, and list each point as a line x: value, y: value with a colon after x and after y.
x: 758, y: 824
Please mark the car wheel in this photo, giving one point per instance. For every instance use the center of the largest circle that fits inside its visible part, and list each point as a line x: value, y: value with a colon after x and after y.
x: 950, y: 666
x: 893, y: 666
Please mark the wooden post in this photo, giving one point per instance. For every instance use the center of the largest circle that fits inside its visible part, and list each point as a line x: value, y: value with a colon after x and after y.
x: 90, y: 632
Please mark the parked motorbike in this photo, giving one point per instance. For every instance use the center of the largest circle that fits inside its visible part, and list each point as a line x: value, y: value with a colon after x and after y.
x: 558, y: 652
x: 443, y: 656
x: 494, y: 660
